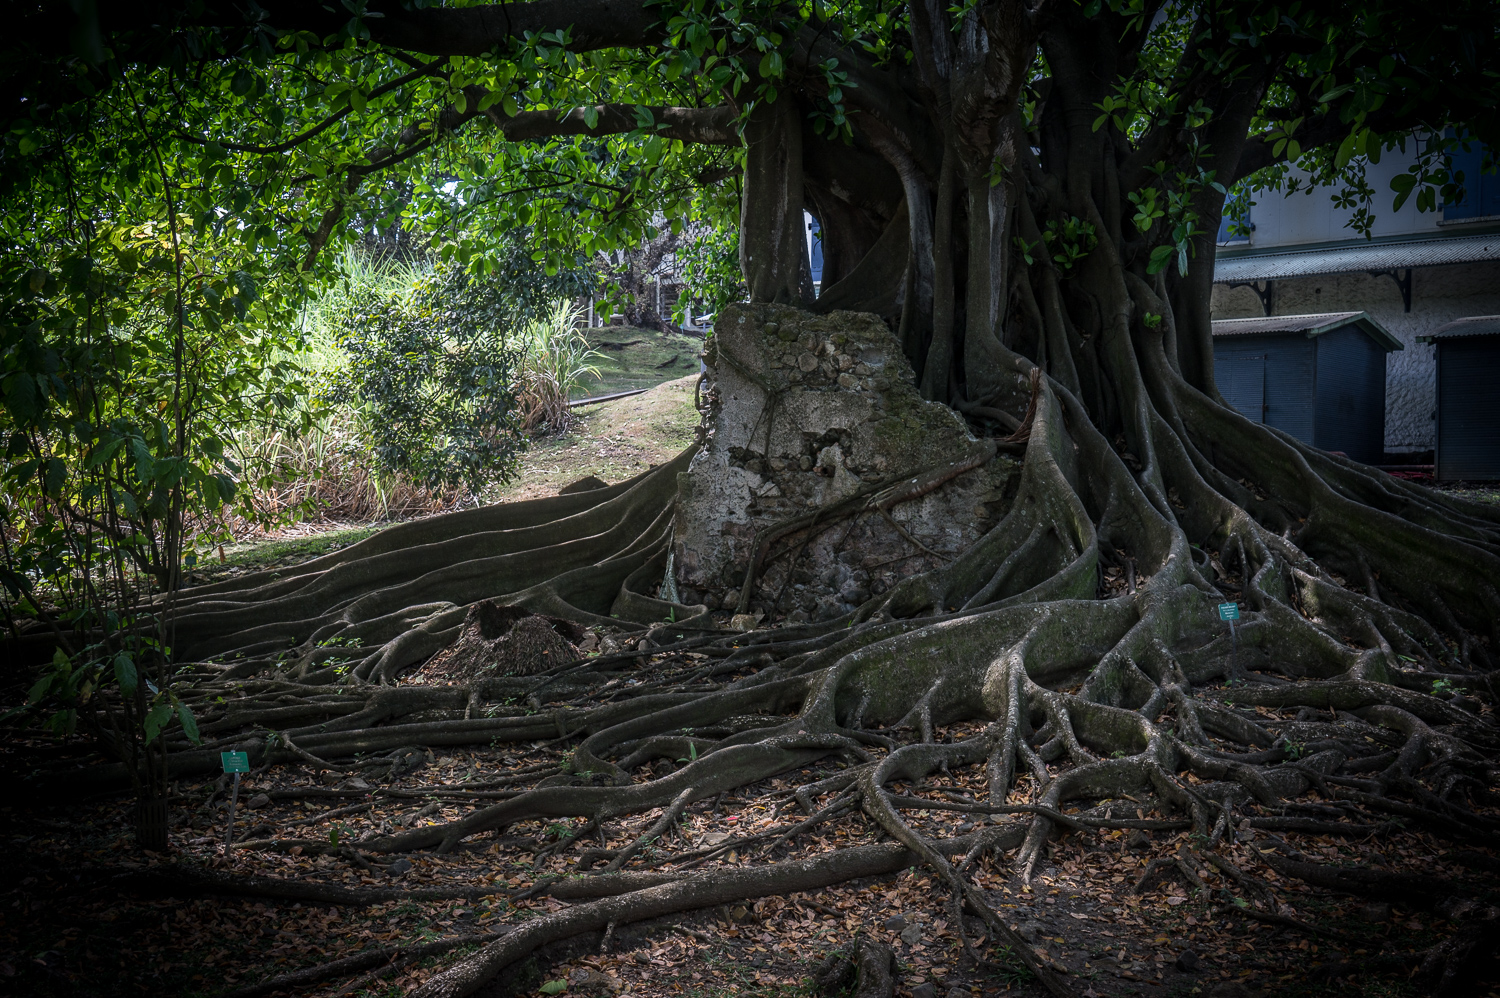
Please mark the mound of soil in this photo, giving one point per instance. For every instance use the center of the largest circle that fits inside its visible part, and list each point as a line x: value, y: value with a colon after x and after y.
x: 501, y: 640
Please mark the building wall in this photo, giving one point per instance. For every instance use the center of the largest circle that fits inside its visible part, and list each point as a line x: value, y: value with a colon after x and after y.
x: 1439, y: 295
x: 1310, y: 216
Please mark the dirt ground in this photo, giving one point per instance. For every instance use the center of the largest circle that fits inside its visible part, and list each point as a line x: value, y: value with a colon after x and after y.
x: 83, y: 912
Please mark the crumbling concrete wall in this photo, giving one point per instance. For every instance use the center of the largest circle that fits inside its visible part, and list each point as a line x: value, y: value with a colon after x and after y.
x: 804, y: 411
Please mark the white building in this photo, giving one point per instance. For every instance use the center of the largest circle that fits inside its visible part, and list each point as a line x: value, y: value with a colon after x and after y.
x: 1417, y: 272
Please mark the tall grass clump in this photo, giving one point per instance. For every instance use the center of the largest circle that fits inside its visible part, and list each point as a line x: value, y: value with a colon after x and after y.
x: 556, y: 360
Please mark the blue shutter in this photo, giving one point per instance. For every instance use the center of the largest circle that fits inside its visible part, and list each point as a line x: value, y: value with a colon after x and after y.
x: 1468, y: 421
x: 1292, y: 384
x: 1489, y: 191
x: 1351, y: 395
x: 1481, y: 190
x: 1241, y: 379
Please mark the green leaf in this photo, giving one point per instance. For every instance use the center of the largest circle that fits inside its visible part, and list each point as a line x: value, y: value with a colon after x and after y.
x: 1160, y: 257
x: 56, y: 474
x: 38, y: 690
x: 145, y: 467
x: 243, y: 82
x: 189, y: 723
x: 125, y: 674
x: 1346, y: 150
x: 156, y: 719
x: 553, y: 987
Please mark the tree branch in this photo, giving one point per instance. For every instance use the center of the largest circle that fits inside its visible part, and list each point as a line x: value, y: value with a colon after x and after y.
x: 423, y: 69
x: 318, y: 238
x: 708, y: 125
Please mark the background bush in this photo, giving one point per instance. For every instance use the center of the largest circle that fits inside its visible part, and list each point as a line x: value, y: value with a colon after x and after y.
x: 431, y: 368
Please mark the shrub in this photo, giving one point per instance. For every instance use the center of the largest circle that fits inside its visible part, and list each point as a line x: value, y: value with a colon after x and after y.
x: 430, y: 371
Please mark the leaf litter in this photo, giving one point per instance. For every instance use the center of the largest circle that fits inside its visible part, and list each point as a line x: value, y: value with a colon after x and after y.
x: 68, y: 927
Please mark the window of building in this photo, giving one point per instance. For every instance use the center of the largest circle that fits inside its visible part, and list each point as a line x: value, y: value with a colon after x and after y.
x: 1481, y: 197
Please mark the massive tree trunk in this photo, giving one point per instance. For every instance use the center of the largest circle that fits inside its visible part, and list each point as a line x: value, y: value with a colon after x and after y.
x: 1081, y: 628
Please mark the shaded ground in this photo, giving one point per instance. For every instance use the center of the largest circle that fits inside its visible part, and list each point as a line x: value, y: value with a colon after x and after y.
x: 79, y: 913
x: 1488, y: 492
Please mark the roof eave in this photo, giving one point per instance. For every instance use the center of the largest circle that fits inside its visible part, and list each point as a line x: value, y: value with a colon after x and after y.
x: 1379, y: 333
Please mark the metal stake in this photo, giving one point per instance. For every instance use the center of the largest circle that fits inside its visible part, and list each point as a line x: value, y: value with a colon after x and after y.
x: 1234, y: 649
x: 234, y: 798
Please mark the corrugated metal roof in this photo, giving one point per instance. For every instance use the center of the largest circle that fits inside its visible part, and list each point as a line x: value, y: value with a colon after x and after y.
x: 1309, y: 325
x: 1474, y: 325
x: 1355, y: 258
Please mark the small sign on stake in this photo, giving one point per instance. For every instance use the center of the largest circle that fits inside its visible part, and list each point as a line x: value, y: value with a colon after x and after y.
x: 236, y: 763
x: 1231, y: 613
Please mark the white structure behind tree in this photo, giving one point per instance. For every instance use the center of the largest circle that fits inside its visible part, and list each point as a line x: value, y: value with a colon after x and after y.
x: 1417, y: 272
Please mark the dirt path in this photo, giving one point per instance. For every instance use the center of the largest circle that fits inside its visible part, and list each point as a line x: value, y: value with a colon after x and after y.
x: 612, y: 441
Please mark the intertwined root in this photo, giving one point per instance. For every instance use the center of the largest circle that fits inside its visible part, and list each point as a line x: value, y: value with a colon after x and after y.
x: 1080, y: 633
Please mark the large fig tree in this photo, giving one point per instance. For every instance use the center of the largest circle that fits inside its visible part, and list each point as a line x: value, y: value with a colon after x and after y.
x: 1029, y: 194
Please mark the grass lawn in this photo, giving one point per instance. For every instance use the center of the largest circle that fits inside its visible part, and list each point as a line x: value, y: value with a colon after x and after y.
x: 640, y: 358
x: 612, y: 440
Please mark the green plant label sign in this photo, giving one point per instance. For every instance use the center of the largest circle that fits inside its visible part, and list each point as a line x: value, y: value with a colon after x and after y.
x: 235, y: 762
x: 1227, y: 611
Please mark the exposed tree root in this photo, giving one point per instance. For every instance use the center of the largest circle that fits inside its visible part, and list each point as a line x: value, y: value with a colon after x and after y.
x: 181, y: 881
x: 1080, y: 632
x: 384, y: 956
x: 702, y: 891
x: 866, y: 971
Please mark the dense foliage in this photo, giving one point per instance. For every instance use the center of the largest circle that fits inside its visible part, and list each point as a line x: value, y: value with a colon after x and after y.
x: 127, y: 354
x: 430, y: 370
